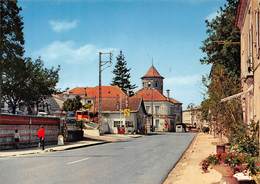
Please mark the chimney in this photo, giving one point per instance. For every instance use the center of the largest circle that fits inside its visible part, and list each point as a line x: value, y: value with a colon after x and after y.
x: 168, y: 93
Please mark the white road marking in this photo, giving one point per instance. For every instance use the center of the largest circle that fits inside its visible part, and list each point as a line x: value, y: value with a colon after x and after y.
x: 69, y: 163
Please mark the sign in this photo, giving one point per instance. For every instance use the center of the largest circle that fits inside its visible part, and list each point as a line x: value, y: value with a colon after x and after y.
x: 126, y: 112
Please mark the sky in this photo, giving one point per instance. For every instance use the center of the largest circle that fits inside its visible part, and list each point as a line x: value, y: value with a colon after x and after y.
x: 70, y: 33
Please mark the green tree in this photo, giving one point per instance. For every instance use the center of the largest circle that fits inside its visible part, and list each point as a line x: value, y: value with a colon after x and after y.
x: 223, y: 54
x: 23, y: 81
x: 72, y: 104
x: 221, y: 46
x: 40, y: 82
x: 12, y: 46
x: 122, y: 75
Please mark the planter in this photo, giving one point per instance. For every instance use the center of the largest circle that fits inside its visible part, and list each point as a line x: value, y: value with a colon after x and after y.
x: 220, y: 148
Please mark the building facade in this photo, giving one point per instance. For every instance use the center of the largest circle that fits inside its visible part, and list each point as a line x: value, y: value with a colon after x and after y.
x: 165, y: 111
x: 192, y: 118
x: 114, y: 103
x: 248, y: 21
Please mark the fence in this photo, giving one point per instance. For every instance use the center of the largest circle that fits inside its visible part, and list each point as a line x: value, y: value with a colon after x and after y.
x: 27, y: 127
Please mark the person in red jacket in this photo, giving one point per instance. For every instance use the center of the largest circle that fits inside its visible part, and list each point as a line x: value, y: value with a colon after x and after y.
x: 41, y: 136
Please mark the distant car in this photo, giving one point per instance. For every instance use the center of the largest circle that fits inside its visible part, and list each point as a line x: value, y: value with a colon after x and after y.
x: 42, y: 114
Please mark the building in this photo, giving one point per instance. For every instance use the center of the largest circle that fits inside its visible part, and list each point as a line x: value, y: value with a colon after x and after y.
x: 192, y: 118
x: 114, y: 115
x: 50, y: 106
x: 248, y: 21
x: 165, y: 111
x: 114, y: 103
x: 89, y: 95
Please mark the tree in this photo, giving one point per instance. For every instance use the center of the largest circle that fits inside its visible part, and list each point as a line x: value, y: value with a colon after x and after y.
x: 122, y: 75
x: 41, y: 82
x: 72, y: 104
x: 223, y: 53
x: 221, y: 45
x: 11, y: 43
x: 23, y: 81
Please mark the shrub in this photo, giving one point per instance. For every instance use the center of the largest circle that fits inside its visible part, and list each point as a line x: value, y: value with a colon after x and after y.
x: 205, y: 165
x: 213, y: 159
x: 240, y: 168
x: 251, y: 165
x: 234, y: 159
x: 205, y: 129
x: 245, y: 139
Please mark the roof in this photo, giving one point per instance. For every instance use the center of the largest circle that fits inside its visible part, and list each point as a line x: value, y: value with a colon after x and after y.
x: 152, y: 72
x: 115, y: 104
x: 92, y: 92
x: 175, y: 101
x: 241, y: 12
x: 149, y: 94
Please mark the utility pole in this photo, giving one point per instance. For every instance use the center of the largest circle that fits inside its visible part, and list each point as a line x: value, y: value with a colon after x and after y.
x: 152, y: 112
x: 102, y: 67
x: 1, y: 61
x: 1, y: 83
x: 153, y: 129
x: 150, y: 86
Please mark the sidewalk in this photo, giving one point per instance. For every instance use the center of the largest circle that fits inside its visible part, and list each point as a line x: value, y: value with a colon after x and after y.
x: 93, y: 140
x: 188, y: 169
x: 113, y: 137
x: 51, y: 148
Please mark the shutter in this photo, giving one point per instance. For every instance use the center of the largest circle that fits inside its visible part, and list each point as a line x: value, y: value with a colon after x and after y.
x: 258, y: 34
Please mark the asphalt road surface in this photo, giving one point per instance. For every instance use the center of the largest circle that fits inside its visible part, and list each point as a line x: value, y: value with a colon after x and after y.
x: 146, y: 160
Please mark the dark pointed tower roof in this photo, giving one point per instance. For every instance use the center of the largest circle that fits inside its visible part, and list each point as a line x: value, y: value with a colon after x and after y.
x: 152, y: 73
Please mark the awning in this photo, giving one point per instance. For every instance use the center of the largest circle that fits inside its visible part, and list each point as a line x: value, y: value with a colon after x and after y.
x: 237, y: 95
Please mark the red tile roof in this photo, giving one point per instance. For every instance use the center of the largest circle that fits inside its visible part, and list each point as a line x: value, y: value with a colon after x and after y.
x: 149, y: 94
x: 92, y: 92
x: 114, y: 104
x: 152, y: 72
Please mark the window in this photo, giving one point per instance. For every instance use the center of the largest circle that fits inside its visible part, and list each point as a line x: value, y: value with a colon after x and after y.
x: 156, y: 84
x: 89, y: 101
x: 129, y: 124
x: 250, y: 45
x: 117, y: 123
x: 171, y: 110
x: 147, y: 109
x: 157, y: 109
x: 157, y: 123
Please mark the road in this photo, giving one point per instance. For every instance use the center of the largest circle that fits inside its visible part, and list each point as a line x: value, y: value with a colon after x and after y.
x: 146, y: 160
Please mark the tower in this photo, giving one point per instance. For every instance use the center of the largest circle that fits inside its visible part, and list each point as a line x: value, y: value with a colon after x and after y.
x: 153, y: 79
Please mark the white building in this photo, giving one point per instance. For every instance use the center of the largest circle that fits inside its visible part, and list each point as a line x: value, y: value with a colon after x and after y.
x: 165, y: 111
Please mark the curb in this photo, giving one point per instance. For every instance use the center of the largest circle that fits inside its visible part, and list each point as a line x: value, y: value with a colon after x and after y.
x: 69, y: 148
x: 54, y: 150
x: 188, y: 147
x: 81, y: 146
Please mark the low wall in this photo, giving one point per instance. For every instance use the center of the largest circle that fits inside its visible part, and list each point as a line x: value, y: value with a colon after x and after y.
x: 27, y: 126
